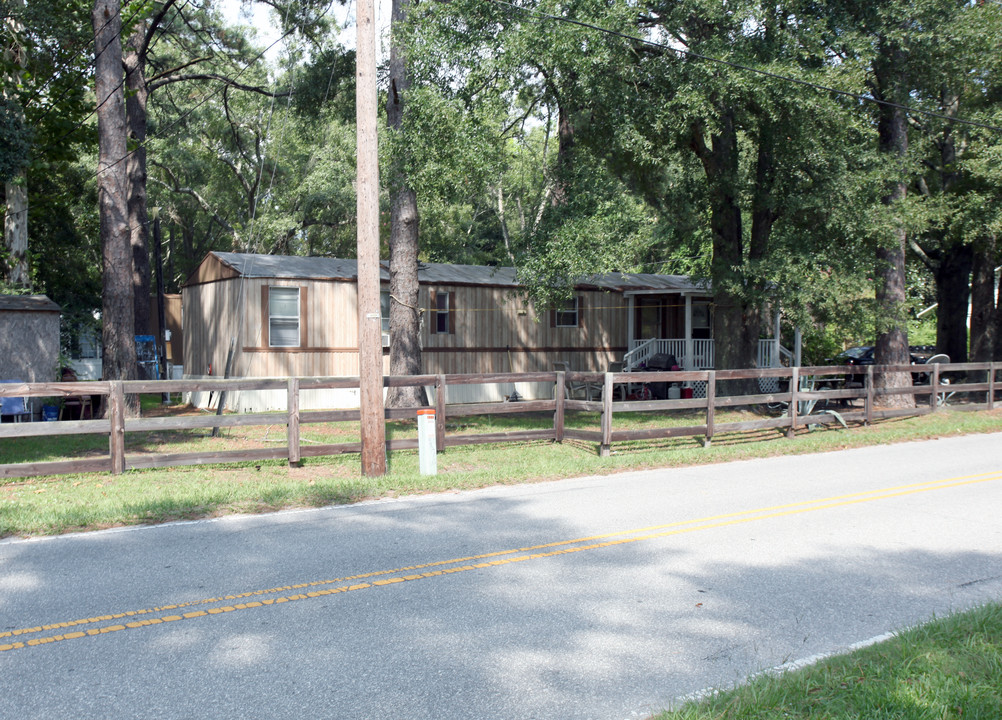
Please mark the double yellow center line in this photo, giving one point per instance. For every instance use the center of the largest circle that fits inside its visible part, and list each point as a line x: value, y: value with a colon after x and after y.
x: 135, y: 619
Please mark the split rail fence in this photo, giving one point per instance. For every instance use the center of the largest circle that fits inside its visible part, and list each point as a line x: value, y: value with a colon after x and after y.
x: 807, y: 399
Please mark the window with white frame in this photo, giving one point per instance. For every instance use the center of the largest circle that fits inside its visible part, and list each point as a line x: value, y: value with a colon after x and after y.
x: 283, y: 317
x: 566, y: 316
x: 443, y: 312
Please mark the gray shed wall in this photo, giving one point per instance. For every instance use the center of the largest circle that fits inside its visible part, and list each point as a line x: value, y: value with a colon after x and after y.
x: 29, y: 348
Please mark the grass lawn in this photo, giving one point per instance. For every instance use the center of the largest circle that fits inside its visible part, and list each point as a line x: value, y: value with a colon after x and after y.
x: 947, y: 669
x: 50, y: 505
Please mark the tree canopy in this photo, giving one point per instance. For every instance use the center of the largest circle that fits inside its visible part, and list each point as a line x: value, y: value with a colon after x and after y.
x: 834, y: 160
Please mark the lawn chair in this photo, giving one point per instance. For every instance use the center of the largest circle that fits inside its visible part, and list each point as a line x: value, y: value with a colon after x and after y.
x: 75, y: 406
x: 805, y: 408
x: 589, y: 391
x: 15, y: 407
x: 940, y: 359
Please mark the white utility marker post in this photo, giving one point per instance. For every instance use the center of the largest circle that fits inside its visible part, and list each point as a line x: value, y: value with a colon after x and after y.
x: 427, y: 445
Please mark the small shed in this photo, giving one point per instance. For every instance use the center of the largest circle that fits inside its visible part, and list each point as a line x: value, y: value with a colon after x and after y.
x: 29, y: 340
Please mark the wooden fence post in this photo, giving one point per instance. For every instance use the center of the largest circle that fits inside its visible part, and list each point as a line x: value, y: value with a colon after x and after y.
x: 934, y: 385
x: 868, y: 402
x: 605, y: 448
x: 441, y: 397
x: 116, y: 439
x: 991, y: 386
x: 293, y: 425
x: 711, y: 399
x: 791, y: 432
x: 558, y: 412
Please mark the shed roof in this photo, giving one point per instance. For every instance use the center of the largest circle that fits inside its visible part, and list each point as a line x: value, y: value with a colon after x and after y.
x: 250, y: 265
x: 27, y: 303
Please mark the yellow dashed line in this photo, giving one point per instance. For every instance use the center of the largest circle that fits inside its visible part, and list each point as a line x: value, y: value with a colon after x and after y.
x: 505, y: 557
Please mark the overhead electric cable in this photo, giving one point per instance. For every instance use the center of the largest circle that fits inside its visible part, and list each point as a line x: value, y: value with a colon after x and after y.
x: 208, y: 96
x: 226, y: 81
x: 739, y: 66
x: 79, y: 74
x: 264, y: 155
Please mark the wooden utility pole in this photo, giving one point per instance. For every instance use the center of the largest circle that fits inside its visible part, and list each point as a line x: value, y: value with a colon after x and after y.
x: 370, y: 345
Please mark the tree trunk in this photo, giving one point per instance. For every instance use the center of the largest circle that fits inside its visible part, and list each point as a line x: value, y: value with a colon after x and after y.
x: 953, y: 270
x: 983, y: 324
x: 953, y: 276
x: 117, y: 311
x: 15, y: 231
x: 135, y: 111
x: 892, y: 335
x: 565, y: 149
x: 405, y: 318
x: 171, y: 246
x: 736, y: 321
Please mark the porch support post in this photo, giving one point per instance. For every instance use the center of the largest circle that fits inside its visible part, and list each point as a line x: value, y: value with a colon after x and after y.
x: 631, y: 311
x: 775, y: 342
x: 690, y: 354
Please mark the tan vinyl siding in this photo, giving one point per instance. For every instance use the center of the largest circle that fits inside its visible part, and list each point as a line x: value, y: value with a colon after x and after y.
x: 329, y: 334
x: 210, y: 314
x: 490, y: 320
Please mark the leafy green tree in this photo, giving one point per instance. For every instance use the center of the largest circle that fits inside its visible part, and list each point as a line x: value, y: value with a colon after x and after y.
x: 666, y: 161
x: 43, y: 62
x: 722, y: 96
x: 958, y: 84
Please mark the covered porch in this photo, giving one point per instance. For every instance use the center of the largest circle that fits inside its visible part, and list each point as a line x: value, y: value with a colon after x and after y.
x: 681, y: 325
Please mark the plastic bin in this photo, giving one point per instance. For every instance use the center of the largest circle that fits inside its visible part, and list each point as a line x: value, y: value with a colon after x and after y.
x: 50, y: 413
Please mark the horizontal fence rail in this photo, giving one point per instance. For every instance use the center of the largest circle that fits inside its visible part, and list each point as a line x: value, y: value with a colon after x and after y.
x: 804, y: 396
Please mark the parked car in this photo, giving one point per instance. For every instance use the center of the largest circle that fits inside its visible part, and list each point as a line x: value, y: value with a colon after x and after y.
x: 863, y: 355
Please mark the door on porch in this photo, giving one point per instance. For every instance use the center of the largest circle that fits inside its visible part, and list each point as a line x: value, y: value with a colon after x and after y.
x: 659, y: 316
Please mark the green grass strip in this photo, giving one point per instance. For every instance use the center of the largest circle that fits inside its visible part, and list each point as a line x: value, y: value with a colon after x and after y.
x: 950, y: 668
x: 51, y: 505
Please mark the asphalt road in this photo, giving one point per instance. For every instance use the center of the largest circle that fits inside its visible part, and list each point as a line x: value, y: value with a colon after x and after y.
x: 600, y: 597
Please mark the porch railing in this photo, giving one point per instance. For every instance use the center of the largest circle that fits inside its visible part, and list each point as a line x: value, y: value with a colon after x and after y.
x: 690, y: 354
x: 767, y: 356
x: 696, y: 354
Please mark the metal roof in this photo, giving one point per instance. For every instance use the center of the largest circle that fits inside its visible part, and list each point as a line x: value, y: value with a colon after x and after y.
x: 323, y: 268
x: 28, y: 303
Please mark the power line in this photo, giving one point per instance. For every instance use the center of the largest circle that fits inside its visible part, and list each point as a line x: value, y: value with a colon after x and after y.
x: 738, y: 66
x: 264, y: 155
x: 80, y: 73
x: 226, y: 82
